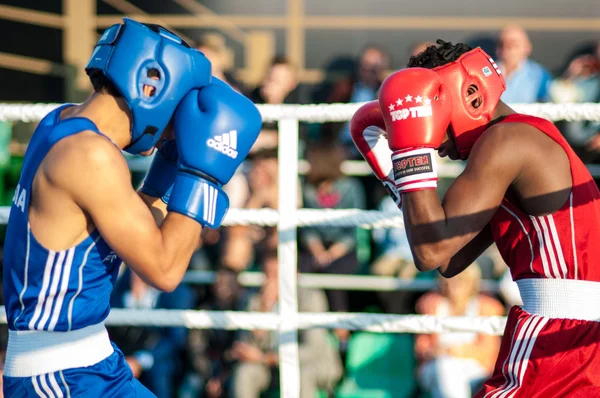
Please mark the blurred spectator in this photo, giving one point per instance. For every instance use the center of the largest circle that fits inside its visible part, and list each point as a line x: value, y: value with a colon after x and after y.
x: 209, y: 350
x: 246, y: 245
x: 257, y: 351
x: 373, y: 63
x: 154, y: 354
x: 394, y: 259
x: 363, y: 86
x: 278, y: 86
x: 579, y: 83
x: 526, y: 80
x: 454, y: 364
x: 213, y: 47
x: 330, y: 250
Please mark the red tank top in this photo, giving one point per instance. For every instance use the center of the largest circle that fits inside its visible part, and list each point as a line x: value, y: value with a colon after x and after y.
x: 564, y: 244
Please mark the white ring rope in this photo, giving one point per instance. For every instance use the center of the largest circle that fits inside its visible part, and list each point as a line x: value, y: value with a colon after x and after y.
x: 233, y: 320
x: 329, y: 112
x: 370, y: 283
x: 368, y: 219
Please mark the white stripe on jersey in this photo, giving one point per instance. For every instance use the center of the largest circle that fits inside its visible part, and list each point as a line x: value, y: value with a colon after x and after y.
x: 85, y: 256
x: 49, y: 299
x: 573, y: 233
x: 559, y: 252
x: 524, y: 231
x: 25, y: 276
x: 63, y: 289
x: 549, y: 247
x: 42, y: 295
x: 547, y: 272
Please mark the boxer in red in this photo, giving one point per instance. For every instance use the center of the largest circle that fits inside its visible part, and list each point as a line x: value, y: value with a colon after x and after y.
x: 523, y: 188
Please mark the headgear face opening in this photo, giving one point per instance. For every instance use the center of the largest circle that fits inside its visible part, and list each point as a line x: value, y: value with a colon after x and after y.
x: 133, y: 55
x: 473, y: 68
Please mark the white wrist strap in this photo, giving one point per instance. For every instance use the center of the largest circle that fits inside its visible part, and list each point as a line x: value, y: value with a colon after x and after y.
x: 415, y: 169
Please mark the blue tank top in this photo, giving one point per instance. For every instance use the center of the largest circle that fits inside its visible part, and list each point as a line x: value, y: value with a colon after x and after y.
x: 45, y: 289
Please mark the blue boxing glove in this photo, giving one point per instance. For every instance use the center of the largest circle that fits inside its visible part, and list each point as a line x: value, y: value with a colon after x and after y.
x: 215, y: 127
x: 161, y: 174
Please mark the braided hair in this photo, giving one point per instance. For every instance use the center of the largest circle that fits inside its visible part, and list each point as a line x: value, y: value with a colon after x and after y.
x: 442, y: 54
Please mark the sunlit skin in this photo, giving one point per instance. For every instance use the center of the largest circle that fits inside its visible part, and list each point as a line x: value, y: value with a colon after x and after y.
x: 84, y: 184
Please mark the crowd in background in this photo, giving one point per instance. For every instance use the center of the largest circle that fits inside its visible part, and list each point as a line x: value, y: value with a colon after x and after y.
x: 220, y: 363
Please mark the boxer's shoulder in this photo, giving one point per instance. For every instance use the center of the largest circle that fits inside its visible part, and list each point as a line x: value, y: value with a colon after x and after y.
x: 82, y: 156
x: 515, y: 138
x: 498, y: 140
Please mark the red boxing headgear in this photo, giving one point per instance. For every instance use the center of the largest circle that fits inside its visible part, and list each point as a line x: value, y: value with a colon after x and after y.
x: 478, y: 69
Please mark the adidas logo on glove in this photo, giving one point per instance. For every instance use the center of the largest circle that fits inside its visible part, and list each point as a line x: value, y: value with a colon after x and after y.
x: 225, y: 143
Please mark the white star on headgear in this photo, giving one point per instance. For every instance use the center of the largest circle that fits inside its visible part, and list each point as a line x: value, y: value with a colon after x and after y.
x: 408, y: 98
x: 418, y: 98
x: 391, y: 107
x: 398, y: 102
x: 427, y: 101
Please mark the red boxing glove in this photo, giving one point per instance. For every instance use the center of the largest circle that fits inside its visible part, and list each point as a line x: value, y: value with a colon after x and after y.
x: 367, y: 129
x: 417, y: 111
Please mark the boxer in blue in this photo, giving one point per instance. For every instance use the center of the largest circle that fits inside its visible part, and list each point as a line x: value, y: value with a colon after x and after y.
x: 75, y: 215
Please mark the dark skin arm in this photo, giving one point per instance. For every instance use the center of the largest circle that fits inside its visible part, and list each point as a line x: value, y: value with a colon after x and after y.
x: 518, y: 158
x: 468, y: 254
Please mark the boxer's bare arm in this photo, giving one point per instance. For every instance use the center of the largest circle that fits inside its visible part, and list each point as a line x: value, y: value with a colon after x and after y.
x: 101, y: 186
x: 468, y: 254
x: 438, y: 231
x: 157, y: 207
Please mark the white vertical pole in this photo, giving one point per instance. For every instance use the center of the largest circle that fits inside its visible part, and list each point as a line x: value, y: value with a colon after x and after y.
x: 289, y: 367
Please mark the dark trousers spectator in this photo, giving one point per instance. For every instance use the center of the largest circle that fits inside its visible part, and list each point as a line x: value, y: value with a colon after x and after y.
x: 345, y: 265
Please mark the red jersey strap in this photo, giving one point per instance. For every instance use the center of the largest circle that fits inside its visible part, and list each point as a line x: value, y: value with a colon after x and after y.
x: 545, y: 126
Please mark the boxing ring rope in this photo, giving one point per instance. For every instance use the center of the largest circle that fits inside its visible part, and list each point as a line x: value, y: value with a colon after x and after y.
x: 329, y: 112
x: 287, y: 219
x: 238, y: 320
x: 340, y: 282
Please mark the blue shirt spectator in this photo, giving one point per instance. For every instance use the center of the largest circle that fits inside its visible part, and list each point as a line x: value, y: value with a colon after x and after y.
x: 527, y: 84
x: 526, y: 80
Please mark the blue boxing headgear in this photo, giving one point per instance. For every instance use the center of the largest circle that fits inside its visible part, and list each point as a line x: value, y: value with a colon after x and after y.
x: 132, y: 55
